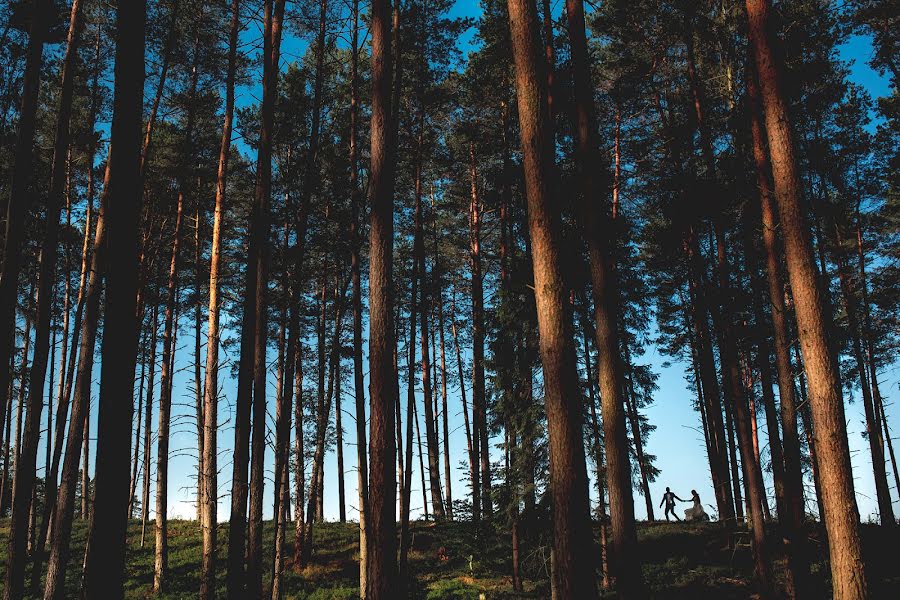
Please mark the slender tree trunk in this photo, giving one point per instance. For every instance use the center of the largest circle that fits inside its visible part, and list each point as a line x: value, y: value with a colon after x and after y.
x: 600, y: 467
x: 356, y: 202
x: 209, y: 506
x: 148, y: 419
x: 299, y: 449
x: 444, y: 413
x: 841, y: 513
x: 470, y: 446
x: 479, y: 400
x: 339, y: 432
x: 573, y: 566
x: 381, y: 575
x: 105, y: 559
x: 198, y: 374
x: 17, y: 210
x: 431, y: 436
x: 252, y: 366
x: 322, y: 420
x: 260, y: 367
x: 161, y: 553
x: 415, y: 418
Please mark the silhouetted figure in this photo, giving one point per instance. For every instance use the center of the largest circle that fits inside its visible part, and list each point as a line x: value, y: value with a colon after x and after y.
x: 669, y: 499
x: 696, y: 512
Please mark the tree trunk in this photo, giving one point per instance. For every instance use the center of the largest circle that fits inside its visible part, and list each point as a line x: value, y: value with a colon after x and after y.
x: 339, y: 432
x: 573, y: 566
x: 841, y: 513
x: 479, y: 400
x: 431, y: 436
x: 209, y: 506
x: 252, y: 366
x: 17, y: 210
x: 626, y: 566
x: 381, y: 575
x: 148, y: 419
x: 792, y: 520
x: 356, y: 201
x: 161, y: 552
x: 472, y: 451
x: 260, y: 367
x: 105, y: 560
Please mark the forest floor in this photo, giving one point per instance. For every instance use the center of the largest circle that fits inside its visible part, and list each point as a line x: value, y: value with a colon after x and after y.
x: 447, y: 562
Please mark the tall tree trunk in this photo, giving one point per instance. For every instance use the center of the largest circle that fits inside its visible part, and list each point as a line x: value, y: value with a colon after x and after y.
x: 339, y: 432
x: 198, y: 374
x: 444, y: 413
x: 626, y: 566
x: 573, y: 567
x: 792, y: 520
x: 209, y: 506
x: 471, y: 449
x: 873, y: 415
x: 59, y: 187
x: 431, y: 437
x: 17, y: 209
x: 479, y: 400
x: 600, y: 467
x: 356, y: 241
x: 260, y: 367
x: 148, y: 419
x: 299, y: 450
x: 252, y: 366
x: 381, y: 575
x: 105, y: 560
x: 161, y: 549
x: 841, y: 513
x: 137, y: 418
x: 322, y: 420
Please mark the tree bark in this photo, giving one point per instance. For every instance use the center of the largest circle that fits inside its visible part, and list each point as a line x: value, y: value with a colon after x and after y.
x: 573, y: 567
x: 263, y: 190
x: 58, y: 184
x: 252, y: 366
x: 105, y: 560
x: 17, y: 210
x: 161, y: 549
x: 209, y: 506
x: 356, y: 207
x: 625, y: 566
x: 381, y: 575
x: 792, y: 520
x: 841, y: 513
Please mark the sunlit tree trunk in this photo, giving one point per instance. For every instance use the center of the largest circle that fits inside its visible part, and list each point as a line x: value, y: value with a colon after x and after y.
x: 209, y: 505
x: 573, y: 564
x: 792, y: 520
x: 830, y: 431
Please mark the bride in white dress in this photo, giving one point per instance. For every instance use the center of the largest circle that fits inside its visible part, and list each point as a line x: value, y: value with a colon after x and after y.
x: 696, y: 512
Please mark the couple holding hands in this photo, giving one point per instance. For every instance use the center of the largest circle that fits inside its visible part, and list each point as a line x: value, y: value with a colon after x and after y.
x: 694, y: 513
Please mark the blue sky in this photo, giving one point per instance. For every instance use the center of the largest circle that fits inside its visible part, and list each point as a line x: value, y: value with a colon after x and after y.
x: 677, y: 442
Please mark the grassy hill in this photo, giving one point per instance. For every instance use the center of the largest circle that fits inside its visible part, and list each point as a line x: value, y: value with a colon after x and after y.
x: 448, y: 562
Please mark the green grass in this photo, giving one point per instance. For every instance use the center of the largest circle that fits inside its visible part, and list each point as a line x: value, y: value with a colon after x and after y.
x: 448, y: 561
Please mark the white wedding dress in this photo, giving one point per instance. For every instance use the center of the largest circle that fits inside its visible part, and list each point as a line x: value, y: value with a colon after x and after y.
x: 696, y: 512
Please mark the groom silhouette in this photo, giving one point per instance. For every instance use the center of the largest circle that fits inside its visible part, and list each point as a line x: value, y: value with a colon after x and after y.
x: 669, y: 499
